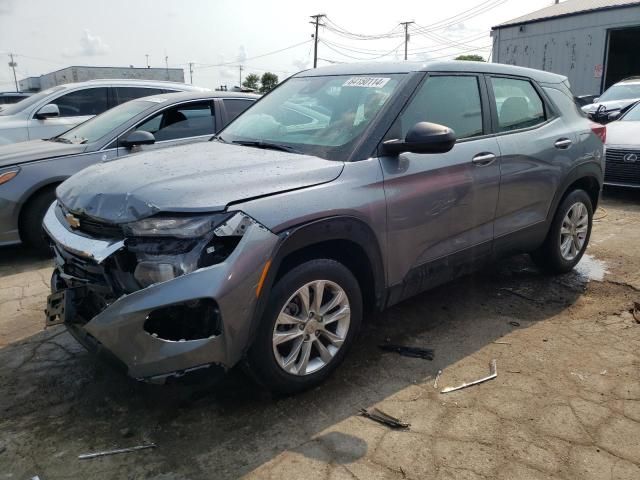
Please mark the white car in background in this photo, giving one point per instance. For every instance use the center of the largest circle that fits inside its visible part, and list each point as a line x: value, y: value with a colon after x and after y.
x: 622, y: 167
x: 57, y: 109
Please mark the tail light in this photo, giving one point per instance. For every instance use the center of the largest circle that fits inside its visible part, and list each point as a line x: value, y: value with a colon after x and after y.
x: 600, y: 131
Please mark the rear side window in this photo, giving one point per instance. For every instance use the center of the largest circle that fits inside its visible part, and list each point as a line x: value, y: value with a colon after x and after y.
x: 452, y: 101
x: 518, y: 104
x: 184, y: 121
x: 124, y: 94
x: 90, y: 101
x: 235, y: 107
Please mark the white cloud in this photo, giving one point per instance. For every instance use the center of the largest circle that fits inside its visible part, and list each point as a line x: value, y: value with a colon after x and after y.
x: 242, y: 54
x: 90, y: 46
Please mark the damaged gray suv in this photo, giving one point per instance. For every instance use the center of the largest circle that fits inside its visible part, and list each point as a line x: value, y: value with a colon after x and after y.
x: 345, y: 190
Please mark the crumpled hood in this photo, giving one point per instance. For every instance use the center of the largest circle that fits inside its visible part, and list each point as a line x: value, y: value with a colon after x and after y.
x: 22, y: 152
x: 623, y: 133
x: 609, y: 106
x: 199, y: 177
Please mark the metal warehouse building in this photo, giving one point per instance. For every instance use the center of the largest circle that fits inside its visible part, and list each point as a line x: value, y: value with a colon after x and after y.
x: 595, y: 43
x: 82, y: 74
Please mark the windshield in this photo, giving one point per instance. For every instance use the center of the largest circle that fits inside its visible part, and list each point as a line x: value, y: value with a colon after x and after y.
x: 322, y: 116
x: 29, y: 101
x: 633, y: 115
x: 621, y: 92
x: 99, y: 126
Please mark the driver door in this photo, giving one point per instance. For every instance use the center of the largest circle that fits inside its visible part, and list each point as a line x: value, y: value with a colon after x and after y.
x: 441, y: 207
x: 75, y: 107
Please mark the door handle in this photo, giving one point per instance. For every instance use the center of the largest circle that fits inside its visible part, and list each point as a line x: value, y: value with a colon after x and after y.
x: 483, y: 159
x: 563, y: 143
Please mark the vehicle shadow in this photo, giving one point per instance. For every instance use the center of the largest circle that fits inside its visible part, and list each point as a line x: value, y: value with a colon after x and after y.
x: 63, y: 403
x: 18, y: 258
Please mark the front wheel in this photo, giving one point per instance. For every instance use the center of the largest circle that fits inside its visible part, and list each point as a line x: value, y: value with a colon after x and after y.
x: 312, y: 316
x: 568, y: 236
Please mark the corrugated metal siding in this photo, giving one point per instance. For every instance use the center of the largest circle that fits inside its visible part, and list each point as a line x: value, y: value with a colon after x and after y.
x: 570, y: 46
x: 568, y: 7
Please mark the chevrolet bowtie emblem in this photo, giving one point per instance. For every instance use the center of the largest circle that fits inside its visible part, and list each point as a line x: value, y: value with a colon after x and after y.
x: 73, y: 221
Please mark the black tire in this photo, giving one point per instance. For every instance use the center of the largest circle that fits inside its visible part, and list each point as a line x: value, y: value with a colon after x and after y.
x: 261, y: 360
x: 31, y: 217
x: 549, y: 256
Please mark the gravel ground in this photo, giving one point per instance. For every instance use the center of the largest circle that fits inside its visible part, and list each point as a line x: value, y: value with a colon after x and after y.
x: 565, y: 404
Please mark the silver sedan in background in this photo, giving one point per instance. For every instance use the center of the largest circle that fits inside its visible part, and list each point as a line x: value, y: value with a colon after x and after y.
x: 30, y: 171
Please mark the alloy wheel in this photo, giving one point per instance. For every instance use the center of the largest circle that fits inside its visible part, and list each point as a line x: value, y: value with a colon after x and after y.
x: 573, y: 232
x: 311, y: 327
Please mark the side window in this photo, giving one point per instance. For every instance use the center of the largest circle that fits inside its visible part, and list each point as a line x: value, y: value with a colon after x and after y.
x: 90, y: 101
x: 124, y: 94
x: 183, y: 121
x: 452, y: 101
x: 235, y: 107
x: 518, y: 104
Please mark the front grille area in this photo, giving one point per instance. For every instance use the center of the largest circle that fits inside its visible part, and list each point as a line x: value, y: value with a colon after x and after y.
x: 618, y: 170
x: 97, y: 229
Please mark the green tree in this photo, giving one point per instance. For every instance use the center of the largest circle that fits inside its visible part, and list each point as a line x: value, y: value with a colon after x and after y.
x: 251, y: 81
x: 472, y: 58
x: 269, y: 81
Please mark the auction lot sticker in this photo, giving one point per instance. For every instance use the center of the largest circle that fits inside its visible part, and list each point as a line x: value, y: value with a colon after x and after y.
x: 369, y: 82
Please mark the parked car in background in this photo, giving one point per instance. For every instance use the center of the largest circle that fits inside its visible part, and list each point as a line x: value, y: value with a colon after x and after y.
x: 616, y: 100
x: 8, y: 98
x: 30, y: 171
x: 267, y: 245
x: 623, y: 150
x: 56, y: 110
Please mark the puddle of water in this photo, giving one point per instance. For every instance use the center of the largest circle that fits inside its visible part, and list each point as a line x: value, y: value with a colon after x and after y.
x: 591, y: 268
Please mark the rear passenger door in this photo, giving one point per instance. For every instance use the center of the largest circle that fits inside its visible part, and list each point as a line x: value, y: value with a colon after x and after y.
x: 176, y: 125
x: 441, y: 207
x: 536, y: 145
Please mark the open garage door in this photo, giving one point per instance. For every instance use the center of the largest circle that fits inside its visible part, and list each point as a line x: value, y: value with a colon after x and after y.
x: 623, y: 58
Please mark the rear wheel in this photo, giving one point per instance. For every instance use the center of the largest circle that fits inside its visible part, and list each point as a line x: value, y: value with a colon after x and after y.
x: 310, y: 322
x: 31, y: 230
x: 568, y: 236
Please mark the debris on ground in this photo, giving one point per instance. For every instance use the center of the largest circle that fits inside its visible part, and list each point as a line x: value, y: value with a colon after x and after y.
x: 381, y: 417
x: 493, y: 373
x: 414, y: 352
x: 85, y: 456
x: 435, y: 384
x: 518, y: 294
x: 636, y: 311
x: 513, y: 323
x: 498, y: 342
x: 603, y: 214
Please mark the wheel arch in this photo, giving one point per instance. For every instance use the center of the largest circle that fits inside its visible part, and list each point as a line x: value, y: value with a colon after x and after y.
x: 587, y: 177
x: 30, y: 196
x: 342, y: 238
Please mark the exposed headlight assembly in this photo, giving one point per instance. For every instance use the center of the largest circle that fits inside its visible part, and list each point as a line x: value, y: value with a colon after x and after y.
x: 178, y: 227
x: 199, y: 241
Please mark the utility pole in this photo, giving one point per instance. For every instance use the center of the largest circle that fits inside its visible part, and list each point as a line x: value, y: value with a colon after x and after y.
x: 13, y: 65
x: 166, y: 63
x: 191, y: 72
x: 317, y: 24
x: 147, y: 55
x: 240, y: 85
x: 406, y: 36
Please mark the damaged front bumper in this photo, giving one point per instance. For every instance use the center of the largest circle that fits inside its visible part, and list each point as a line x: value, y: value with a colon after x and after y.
x: 196, y: 320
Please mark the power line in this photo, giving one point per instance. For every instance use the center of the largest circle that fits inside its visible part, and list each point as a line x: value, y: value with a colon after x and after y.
x: 360, y: 58
x: 226, y: 64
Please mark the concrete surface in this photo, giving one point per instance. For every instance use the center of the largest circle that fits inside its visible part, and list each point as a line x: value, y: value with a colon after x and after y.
x: 565, y: 404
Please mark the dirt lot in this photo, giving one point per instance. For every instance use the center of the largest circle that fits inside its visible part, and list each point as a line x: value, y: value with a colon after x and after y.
x: 566, y: 403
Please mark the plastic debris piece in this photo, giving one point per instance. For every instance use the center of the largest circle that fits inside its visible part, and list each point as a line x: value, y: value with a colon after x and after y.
x: 381, y: 417
x: 513, y: 323
x: 85, y: 456
x: 493, y: 373
x: 498, y: 342
x: 414, y: 352
x: 435, y: 384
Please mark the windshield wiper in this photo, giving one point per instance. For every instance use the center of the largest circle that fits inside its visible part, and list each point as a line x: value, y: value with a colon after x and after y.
x: 59, y: 140
x: 266, y: 145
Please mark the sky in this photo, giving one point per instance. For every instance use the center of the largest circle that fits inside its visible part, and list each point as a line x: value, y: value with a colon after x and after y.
x: 47, y: 35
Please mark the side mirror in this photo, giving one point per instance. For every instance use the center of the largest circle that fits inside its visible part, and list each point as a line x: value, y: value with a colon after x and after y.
x: 48, y: 111
x: 614, y: 115
x: 423, y: 137
x: 138, y: 137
